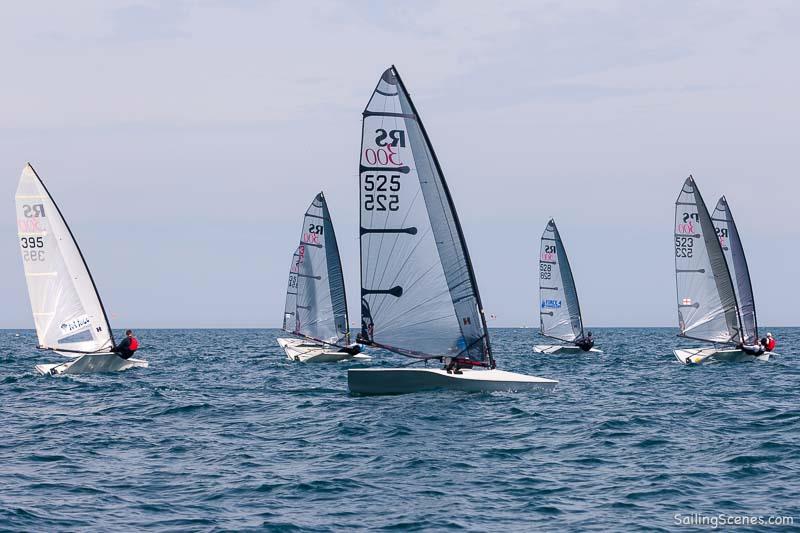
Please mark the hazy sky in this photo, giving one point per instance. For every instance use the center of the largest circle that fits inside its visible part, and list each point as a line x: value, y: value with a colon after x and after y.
x: 184, y: 140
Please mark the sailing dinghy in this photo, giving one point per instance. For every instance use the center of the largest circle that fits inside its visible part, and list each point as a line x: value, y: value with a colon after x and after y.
x: 67, y: 311
x: 711, y: 306
x: 559, y: 310
x: 316, y: 307
x: 418, y: 292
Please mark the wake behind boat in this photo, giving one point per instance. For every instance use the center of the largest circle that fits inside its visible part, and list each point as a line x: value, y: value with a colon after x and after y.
x: 559, y: 310
x: 711, y: 307
x: 419, y: 297
x: 69, y: 316
x: 316, y: 307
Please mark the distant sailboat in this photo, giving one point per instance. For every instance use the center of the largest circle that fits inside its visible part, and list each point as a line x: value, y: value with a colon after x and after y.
x: 710, y: 306
x: 419, y: 297
x: 67, y: 311
x: 559, y: 310
x: 316, y: 307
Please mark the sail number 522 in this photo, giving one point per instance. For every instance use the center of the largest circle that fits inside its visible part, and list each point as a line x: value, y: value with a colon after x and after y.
x: 374, y: 185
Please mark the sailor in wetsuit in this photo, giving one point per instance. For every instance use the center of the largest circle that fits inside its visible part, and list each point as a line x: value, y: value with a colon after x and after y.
x: 586, y: 343
x: 128, y: 345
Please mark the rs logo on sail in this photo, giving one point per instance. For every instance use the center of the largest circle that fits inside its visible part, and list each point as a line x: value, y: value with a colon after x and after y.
x: 34, y: 210
x: 551, y: 304
x: 398, y: 137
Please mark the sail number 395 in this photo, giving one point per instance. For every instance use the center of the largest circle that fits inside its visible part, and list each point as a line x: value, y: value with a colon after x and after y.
x: 377, y: 189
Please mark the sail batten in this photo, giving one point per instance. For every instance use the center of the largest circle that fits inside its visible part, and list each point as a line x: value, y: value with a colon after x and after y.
x: 418, y: 291
x: 732, y: 248
x: 706, y: 299
x: 68, y: 313
x: 316, y: 305
x: 559, y: 318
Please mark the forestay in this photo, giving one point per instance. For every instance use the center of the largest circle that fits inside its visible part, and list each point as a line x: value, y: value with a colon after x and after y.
x: 559, y: 310
x: 707, y: 307
x: 67, y: 310
x: 418, y: 296
x: 316, y: 307
x: 737, y: 265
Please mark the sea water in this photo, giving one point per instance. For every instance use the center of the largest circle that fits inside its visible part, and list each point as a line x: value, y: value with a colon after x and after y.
x: 223, y: 432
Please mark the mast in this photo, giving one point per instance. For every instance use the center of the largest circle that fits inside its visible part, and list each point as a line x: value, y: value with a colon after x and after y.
x: 459, y: 230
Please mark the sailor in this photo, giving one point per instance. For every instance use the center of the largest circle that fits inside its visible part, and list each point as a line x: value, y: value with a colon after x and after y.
x: 770, y: 342
x: 755, y: 349
x: 586, y: 343
x: 128, y: 345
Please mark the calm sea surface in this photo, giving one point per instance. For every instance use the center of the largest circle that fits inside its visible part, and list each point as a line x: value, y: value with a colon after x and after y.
x: 222, y: 432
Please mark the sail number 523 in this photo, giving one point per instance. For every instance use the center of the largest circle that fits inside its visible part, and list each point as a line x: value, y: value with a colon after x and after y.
x: 374, y: 186
x: 684, y: 246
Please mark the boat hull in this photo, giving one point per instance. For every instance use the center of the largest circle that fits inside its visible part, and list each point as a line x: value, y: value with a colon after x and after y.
x: 407, y: 380
x: 309, y: 352
x: 91, y: 363
x: 696, y: 356
x: 561, y: 349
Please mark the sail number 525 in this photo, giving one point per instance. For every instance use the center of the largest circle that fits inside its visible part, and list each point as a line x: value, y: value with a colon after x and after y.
x: 374, y: 185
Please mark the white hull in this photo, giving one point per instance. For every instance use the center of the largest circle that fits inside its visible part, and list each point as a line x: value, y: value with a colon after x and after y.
x: 561, y: 349
x: 309, y: 352
x: 91, y: 363
x: 405, y: 380
x: 713, y: 355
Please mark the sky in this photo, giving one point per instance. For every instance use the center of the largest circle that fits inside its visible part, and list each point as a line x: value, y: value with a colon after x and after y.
x: 183, y: 142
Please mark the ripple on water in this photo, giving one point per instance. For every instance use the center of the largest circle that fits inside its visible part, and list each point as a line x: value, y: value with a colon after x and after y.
x: 234, y: 436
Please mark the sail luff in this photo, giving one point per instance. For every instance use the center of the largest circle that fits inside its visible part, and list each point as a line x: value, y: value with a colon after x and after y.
x: 734, y: 253
x: 460, y: 231
x: 106, y: 334
x: 335, y: 273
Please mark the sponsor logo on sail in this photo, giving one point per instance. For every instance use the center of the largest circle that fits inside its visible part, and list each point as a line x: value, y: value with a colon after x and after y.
x: 551, y: 304
x: 75, y: 325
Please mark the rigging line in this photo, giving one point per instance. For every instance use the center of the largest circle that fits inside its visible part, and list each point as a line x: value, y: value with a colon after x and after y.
x: 425, y: 321
x: 434, y: 297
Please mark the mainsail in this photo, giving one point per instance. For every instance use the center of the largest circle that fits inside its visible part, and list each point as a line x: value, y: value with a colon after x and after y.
x: 707, y: 308
x: 418, y: 292
x: 316, y: 307
x: 737, y: 264
x: 67, y: 310
x: 559, y: 311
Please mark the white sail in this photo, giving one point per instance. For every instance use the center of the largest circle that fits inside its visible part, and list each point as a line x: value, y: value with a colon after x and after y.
x: 707, y: 308
x: 737, y: 264
x: 559, y: 310
x: 316, y: 307
x: 418, y: 291
x: 67, y: 310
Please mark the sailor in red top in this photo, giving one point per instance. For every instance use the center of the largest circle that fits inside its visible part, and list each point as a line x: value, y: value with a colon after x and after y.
x: 770, y: 346
x: 128, y: 345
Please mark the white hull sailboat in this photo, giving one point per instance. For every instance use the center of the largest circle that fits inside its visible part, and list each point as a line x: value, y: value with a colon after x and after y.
x: 715, y: 294
x: 698, y: 356
x: 405, y: 380
x: 419, y: 297
x: 91, y: 363
x: 562, y: 349
x: 310, y: 352
x: 316, y: 306
x: 68, y: 314
x: 559, y: 310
